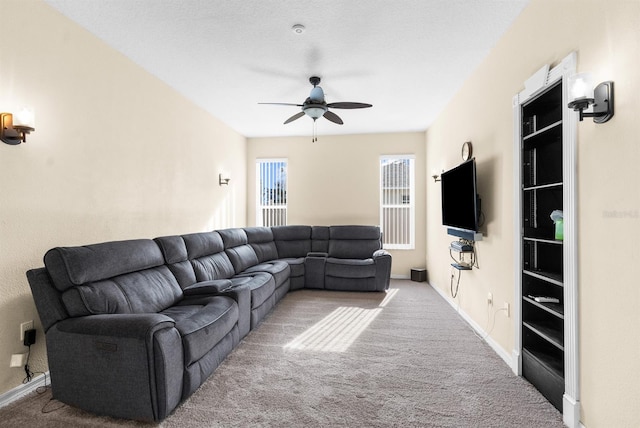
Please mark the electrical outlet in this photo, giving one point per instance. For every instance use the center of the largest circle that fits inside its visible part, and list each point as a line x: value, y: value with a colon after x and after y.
x: 18, y: 360
x: 490, y: 299
x: 507, y: 309
x: 28, y: 325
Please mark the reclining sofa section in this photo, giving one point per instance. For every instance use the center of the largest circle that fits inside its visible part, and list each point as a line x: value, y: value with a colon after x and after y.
x: 135, y: 327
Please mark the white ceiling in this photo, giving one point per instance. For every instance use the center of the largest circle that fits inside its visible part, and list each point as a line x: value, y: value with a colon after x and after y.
x: 406, y: 57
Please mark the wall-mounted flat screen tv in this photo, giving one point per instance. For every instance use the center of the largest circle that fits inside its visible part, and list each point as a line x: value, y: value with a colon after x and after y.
x: 460, y: 202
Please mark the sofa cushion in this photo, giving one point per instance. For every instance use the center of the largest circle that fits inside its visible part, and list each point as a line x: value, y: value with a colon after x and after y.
x: 320, y: 239
x: 296, y: 265
x: 145, y: 291
x: 292, y: 241
x: 353, y: 242
x: 213, y: 266
x: 261, y: 240
x: 202, y: 322
x: 261, y: 284
x: 69, y: 266
x: 350, y: 268
x: 173, y: 248
x: 175, y: 255
x: 242, y: 257
x: 202, y: 244
x: 279, y: 269
x: 233, y: 237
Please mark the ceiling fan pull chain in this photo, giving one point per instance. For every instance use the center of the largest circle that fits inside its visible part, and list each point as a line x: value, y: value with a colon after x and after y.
x: 315, y: 132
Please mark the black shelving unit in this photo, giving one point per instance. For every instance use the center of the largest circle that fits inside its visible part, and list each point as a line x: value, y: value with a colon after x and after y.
x: 542, y: 255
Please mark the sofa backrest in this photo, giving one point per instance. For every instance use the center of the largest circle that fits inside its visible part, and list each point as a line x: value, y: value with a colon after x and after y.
x: 354, y: 242
x: 120, y: 277
x: 176, y: 257
x: 236, y: 245
x: 207, y: 256
x: 292, y: 241
x: 261, y: 240
x: 320, y: 239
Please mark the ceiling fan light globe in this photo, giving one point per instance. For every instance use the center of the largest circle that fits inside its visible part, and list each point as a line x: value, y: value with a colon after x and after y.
x: 315, y: 112
x: 317, y: 94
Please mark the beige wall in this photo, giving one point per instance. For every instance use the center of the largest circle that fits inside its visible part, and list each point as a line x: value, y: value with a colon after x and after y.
x: 336, y: 181
x: 606, y: 36
x: 116, y: 155
x: 106, y: 162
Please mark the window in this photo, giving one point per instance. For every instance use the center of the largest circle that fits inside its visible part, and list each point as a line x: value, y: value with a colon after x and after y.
x: 397, y: 201
x: 271, y: 190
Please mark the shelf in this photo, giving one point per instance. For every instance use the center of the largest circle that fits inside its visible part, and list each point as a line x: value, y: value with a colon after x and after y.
x: 553, y: 278
x: 556, y: 309
x: 542, y: 131
x: 545, y: 373
x: 543, y: 186
x: 549, y: 334
x: 543, y: 240
x: 460, y: 267
x: 546, y: 360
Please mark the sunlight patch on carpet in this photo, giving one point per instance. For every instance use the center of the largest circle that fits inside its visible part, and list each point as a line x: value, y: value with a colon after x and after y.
x: 338, y: 330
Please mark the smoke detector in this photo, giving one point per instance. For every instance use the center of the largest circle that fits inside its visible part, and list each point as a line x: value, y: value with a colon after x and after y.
x: 298, y: 29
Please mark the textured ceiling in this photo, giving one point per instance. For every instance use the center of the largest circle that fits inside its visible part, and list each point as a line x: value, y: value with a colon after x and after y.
x: 406, y: 57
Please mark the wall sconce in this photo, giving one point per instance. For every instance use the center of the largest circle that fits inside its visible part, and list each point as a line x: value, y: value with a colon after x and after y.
x: 14, y: 128
x: 222, y: 181
x: 582, y: 95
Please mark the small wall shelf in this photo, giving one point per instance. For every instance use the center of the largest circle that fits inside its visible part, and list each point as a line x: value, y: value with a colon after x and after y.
x: 465, y: 234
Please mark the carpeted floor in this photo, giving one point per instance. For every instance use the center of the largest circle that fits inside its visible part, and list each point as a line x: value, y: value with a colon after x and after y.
x: 342, y: 359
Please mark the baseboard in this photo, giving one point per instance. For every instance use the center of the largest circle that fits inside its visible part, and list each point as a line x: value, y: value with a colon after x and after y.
x: 23, y: 389
x: 400, y: 276
x: 513, y: 364
x: 571, y: 412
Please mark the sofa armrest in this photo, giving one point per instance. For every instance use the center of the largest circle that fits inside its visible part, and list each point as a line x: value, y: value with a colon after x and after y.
x: 382, y: 259
x: 317, y: 254
x: 213, y: 287
x: 381, y: 253
x: 131, y: 326
x: 124, y: 365
x: 242, y: 295
x: 314, y: 270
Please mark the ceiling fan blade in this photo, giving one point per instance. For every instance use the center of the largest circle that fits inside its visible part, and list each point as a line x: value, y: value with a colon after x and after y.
x: 283, y: 104
x: 329, y: 115
x: 294, y: 117
x: 348, y: 105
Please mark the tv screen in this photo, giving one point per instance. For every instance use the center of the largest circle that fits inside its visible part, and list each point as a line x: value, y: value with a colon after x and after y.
x: 460, y: 204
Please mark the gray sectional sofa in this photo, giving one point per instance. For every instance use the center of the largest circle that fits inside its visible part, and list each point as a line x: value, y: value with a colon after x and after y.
x: 135, y: 327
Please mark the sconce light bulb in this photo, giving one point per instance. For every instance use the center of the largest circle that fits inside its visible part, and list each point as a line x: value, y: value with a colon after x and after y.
x: 24, y: 118
x: 581, y: 86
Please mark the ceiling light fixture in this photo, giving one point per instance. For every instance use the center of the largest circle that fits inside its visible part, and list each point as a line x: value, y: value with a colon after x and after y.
x: 298, y: 29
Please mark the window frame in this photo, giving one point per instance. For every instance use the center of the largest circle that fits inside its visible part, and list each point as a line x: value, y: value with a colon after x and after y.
x: 260, y: 207
x: 411, y: 206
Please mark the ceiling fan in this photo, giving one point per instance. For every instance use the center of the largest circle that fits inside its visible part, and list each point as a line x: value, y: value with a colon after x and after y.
x: 315, y: 106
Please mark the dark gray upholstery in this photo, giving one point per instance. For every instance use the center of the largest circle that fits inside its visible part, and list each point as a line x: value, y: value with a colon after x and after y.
x: 292, y: 241
x: 261, y: 240
x: 78, y: 265
x: 134, y: 327
x: 354, y: 261
x: 320, y: 239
